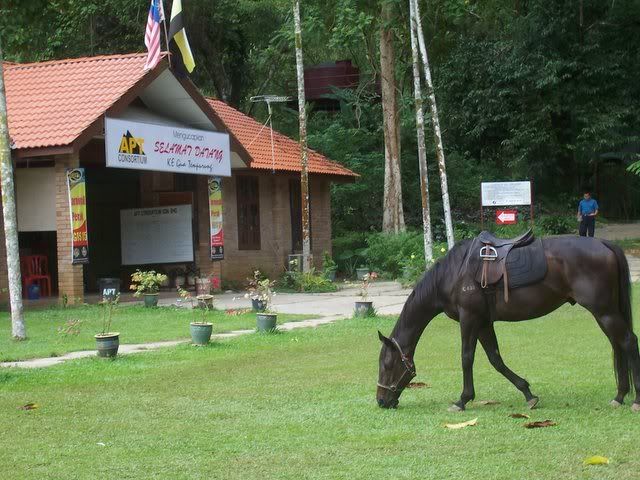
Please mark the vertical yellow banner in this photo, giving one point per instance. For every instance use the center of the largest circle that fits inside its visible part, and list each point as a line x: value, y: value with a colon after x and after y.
x: 215, y: 218
x: 78, y: 209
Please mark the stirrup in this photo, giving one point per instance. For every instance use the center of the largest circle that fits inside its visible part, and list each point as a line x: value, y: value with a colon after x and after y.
x: 488, y: 253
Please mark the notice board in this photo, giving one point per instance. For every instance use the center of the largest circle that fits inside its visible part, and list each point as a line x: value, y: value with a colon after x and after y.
x: 156, y: 235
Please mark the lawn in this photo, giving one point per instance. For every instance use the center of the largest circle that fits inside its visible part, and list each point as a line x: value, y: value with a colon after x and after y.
x: 301, y: 404
x: 136, y: 324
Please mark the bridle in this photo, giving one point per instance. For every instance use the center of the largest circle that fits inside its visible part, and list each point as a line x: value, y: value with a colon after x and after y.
x: 409, y: 369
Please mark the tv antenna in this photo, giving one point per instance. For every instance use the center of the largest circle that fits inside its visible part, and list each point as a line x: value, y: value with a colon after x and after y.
x: 269, y: 99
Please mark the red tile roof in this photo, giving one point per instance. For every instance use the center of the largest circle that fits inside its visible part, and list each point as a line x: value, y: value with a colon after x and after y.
x: 52, y: 103
x: 257, y: 142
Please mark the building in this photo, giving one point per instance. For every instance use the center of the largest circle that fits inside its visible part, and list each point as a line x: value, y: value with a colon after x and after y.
x: 63, y: 115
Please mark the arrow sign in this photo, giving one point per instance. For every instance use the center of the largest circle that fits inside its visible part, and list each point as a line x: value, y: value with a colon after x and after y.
x: 506, y: 217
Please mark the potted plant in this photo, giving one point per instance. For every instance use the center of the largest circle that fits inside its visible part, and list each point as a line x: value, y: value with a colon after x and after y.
x: 107, y: 342
x: 260, y: 291
x: 364, y: 307
x: 147, y: 284
x: 329, y: 267
x: 361, y: 271
x: 200, y: 329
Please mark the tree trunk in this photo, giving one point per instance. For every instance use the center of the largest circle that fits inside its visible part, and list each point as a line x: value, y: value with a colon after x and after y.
x: 422, y: 150
x: 10, y: 223
x: 436, y: 129
x: 393, y: 215
x: 304, y: 180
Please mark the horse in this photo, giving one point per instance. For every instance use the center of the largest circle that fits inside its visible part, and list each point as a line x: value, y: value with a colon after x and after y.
x: 591, y: 272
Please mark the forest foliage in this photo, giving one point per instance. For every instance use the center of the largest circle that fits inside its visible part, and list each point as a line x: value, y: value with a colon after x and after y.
x: 527, y: 89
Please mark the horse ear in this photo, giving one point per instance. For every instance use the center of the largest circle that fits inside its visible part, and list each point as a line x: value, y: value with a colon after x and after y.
x: 384, y: 339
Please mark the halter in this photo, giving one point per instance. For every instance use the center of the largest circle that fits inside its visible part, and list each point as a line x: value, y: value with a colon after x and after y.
x: 409, y: 368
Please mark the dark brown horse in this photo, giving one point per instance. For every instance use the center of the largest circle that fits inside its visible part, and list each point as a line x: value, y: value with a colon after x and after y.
x: 591, y: 272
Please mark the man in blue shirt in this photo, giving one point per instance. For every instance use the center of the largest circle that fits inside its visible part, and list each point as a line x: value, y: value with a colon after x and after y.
x: 587, y: 211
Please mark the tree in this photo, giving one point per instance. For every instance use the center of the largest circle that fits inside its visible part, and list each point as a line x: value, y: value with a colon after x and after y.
x: 393, y: 214
x: 9, y: 213
x: 302, y: 118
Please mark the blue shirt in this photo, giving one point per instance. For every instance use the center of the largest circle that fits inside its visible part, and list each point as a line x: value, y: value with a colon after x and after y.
x: 587, y: 207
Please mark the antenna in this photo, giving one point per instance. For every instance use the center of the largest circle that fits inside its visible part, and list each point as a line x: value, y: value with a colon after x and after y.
x: 269, y: 99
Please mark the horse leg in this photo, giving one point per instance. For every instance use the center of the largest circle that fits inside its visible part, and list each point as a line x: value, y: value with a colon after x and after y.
x: 621, y: 366
x: 469, y: 331
x: 621, y: 335
x: 489, y: 342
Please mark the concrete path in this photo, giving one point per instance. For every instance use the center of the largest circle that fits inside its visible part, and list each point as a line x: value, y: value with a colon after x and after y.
x: 128, y: 349
x: 618, y: 231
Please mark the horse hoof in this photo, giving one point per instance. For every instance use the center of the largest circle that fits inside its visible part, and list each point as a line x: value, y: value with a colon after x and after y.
x: 635, y: 407
x: 455, y: 408
x: 615, y: 404
x: 533, y: 403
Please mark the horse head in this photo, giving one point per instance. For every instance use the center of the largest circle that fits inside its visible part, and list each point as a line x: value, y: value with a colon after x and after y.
x: 396, y: 371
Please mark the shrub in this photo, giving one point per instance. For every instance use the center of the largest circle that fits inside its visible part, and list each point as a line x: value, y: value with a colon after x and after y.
x: 309, y: 282
x: 556, y: 224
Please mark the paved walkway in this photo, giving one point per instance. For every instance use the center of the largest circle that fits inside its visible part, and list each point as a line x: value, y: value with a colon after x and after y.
x: 387, y: 297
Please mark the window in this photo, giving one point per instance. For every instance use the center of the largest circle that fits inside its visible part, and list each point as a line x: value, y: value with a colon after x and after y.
x: 248, y: 199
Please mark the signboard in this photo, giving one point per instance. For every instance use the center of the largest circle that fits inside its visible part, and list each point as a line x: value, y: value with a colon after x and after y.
x: 506, y: 217
x: 496, y: 194
x: 156, y: 235
x: 144, y: 146
x: 78, y: 211
x: 215, y: 218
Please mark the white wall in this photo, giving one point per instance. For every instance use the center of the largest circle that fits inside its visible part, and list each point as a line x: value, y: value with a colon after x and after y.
x: 36, y: 199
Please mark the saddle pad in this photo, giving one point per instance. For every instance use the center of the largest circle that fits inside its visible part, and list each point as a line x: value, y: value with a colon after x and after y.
x: 526, y: 265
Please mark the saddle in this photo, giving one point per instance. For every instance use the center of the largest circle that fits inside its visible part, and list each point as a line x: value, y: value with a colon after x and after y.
x: 515, y: 262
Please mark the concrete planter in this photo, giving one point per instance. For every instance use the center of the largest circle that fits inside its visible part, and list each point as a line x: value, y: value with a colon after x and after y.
x: 107, y: 344
x: 364, y: 309
x: 330, y: 275
x: 266, y: 322
x: 361, y: 272
x: 205, y: 301
x: 203, y: 286
x: 201, y: 333
x: 150, y: 300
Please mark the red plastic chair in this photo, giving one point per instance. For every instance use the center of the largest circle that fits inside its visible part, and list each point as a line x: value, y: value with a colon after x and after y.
x: 35, y: 269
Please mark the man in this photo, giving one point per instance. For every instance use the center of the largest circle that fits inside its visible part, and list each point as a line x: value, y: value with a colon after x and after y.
x: 587, y: 211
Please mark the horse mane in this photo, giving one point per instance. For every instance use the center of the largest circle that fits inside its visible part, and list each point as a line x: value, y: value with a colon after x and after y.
x: 426, y: 292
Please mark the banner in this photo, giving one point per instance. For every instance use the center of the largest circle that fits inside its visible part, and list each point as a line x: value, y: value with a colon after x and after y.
x: 78, y: 210
x: 145, y: 146
x: 215, y: 218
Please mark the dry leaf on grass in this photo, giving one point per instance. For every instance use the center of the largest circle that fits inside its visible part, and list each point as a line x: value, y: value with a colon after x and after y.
x: 418, y: 385
x: 458, y: 426
x: 542, y: 424
x: 519, y: 415
x: 488, y: 402
x: 29, y: 406
x: 596, y: 460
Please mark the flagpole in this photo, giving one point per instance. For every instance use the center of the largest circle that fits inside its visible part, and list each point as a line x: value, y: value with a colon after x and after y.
x: 164, y: 24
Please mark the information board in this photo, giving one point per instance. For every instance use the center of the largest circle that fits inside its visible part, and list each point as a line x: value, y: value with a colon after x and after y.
x: 156, y: 235
x: 497, y: 194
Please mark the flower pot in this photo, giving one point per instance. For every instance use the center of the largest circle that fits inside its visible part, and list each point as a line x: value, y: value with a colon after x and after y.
x: 258, y: 305
x: 364, y: 309
x: 150, y: 300
x: 266, y: 322
x: 201, y: 333
x: 107, y: 344
x: 361, y: 272
x: 205, y: 301
x: 191, y: 279
x: 330, y: 275
x: 203, y: 286
x: 179, y: 282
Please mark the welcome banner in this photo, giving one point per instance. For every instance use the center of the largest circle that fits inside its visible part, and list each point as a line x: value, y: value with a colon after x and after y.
x: 215, y: 218
x: 78, y: 209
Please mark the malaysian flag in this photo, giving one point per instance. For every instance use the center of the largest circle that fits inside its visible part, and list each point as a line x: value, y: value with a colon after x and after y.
x: 152, y: 34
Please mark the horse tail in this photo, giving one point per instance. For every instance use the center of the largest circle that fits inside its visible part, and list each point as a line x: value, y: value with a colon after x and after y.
x: 624, y: 299
x: 624, y: 283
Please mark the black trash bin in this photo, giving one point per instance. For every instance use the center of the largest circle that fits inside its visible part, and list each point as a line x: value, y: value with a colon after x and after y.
x: 108, y: 288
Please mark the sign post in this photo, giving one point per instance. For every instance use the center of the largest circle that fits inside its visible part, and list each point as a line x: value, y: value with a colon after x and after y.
x: 506, y: 194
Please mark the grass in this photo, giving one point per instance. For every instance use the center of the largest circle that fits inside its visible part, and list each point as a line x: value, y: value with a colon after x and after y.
x: 630, y: 245
x: 136, y: 324
x: 301, y: 405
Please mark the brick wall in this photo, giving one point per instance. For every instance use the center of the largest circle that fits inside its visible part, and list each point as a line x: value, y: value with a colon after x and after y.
x: 275, y: 226
x: 208, y: 268
x: 70, y: 279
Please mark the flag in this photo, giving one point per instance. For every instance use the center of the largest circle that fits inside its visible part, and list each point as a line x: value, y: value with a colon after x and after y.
x: 182, y: 58
x: 152, y: 34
